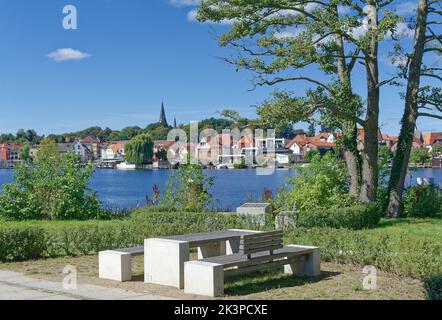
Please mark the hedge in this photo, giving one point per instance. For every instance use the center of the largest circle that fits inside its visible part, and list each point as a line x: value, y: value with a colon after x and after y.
x: 31, y: 240
x: 355, y: 217
x: 398, y: 253
x: 433, y: 287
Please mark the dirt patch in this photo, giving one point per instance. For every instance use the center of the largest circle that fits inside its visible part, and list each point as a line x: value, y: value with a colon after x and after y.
x: 336, y: 282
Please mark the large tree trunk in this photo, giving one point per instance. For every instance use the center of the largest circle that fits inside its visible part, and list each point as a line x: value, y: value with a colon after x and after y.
x: 405, y: 143
x: 369, y: 182
x: 349, y: 132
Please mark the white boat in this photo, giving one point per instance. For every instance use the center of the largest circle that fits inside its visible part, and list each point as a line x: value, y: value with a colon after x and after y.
x: 126, y: 166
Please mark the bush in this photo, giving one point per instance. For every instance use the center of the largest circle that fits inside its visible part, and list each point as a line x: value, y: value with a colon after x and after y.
x: 22, y: 243
x: 399, y: 253
x: 433, y: 287
x: 354, y: 217
x: 323, y: 184
x: 35, y: 239
x: 188, y: 189
x: 422, y: 202
x: 54, y: 187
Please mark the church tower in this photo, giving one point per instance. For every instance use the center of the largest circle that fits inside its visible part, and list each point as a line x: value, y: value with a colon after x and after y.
x: 163, y: 119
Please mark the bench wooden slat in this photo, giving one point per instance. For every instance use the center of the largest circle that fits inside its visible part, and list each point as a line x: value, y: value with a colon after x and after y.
x: 239, y: 260
x: 261, y: 244
x: 262, y: 266
x: 265, y: 241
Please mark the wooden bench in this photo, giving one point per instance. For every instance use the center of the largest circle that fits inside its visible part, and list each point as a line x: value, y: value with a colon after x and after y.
x: 257, y: 252
x: 117, y: 264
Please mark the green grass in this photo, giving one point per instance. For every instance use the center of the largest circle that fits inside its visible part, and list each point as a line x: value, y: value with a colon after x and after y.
x: 428, y: 229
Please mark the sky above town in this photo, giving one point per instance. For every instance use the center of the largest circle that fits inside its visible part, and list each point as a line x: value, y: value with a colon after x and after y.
x: 126, y: 57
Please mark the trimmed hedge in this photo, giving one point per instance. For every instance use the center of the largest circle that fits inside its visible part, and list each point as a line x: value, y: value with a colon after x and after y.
x: 423, y: 202
x: 433, y: 287
x: 355, y: 217
x: 399, y: 253
x: 33, y: 239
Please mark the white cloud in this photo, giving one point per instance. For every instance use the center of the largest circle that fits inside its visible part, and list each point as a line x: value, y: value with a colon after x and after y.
x: 408, y: 7
x: 181, y: 3
x: 67, y: 54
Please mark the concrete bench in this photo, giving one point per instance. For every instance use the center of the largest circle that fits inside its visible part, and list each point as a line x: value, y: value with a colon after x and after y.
x: 117, y: 264
x: 257, y: 252
x: 165, y: 257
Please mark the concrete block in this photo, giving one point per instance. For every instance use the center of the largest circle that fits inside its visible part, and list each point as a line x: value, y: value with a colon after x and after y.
x: 312, y: 264
x: 256, y: 212
x: 204, y: 278
x: 164, y: 261
x: 115, y: 265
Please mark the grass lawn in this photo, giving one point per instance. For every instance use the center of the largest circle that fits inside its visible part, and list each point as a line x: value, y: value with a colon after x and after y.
x: 421, y: 229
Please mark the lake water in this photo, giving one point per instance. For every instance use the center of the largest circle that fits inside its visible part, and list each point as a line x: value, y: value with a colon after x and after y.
x: 128, y: 189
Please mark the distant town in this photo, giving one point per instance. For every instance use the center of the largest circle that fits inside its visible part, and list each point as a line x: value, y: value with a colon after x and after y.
x: 106, y: 148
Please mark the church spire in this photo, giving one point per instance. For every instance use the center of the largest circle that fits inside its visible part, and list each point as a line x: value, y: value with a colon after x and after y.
x: 163, y: 119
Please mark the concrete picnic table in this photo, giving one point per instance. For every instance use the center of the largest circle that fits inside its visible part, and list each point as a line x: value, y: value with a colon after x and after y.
x: 164, y: 257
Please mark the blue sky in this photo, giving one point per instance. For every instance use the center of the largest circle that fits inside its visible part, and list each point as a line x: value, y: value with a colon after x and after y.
x: 130, y: 54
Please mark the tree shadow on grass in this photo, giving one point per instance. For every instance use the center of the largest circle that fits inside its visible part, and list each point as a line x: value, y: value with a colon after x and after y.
x: 264, y: 281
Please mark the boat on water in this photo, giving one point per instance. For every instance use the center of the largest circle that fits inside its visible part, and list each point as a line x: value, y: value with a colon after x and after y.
x: 126, y: 166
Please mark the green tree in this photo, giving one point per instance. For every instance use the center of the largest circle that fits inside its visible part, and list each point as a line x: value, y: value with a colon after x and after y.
x: 188, y: 189
x: 420, y: 156
x: 311, y: 129
x: 25, y: 153
x: 436, y: 149
x: 277, y: 38
x: 310, y: 155
x: 385, y: 154
x: 54, y: 187
x: 421, y: 100
x: 139, y: 150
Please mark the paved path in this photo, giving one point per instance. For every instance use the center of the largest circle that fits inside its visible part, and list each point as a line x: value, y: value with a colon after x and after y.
x: 16, y: 286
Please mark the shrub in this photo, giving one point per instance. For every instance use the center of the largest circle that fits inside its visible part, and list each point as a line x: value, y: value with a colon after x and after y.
x: 433, y: 287
x: 74, y: 238
x: 399, y: 253
x: 323, y: 184
x: 188, y: 189
x: 22, y: 243
x: 354, y: 217
x: 54, y: 187
x: 422, y: 202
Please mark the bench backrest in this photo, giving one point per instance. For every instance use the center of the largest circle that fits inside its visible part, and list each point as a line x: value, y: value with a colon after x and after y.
x: 260, y: 242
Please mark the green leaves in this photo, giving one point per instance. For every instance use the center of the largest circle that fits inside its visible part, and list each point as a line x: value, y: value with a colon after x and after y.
x: 188, y: 189
x: 139, y: 150
x: 54, y: 187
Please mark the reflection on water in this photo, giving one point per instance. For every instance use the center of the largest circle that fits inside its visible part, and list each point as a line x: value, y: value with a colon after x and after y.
x: 128, y: 189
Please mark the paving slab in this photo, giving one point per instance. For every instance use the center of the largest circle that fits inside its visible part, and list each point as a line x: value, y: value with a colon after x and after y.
x: 16, y: 286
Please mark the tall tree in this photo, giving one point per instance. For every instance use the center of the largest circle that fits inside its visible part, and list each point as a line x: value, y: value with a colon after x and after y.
x: 425, y: 101
x: 311, y: 129
x: 278, y: 38
x: 139, y: 150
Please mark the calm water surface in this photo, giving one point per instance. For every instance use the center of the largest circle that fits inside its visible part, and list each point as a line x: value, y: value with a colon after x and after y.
x: 128, y: 189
